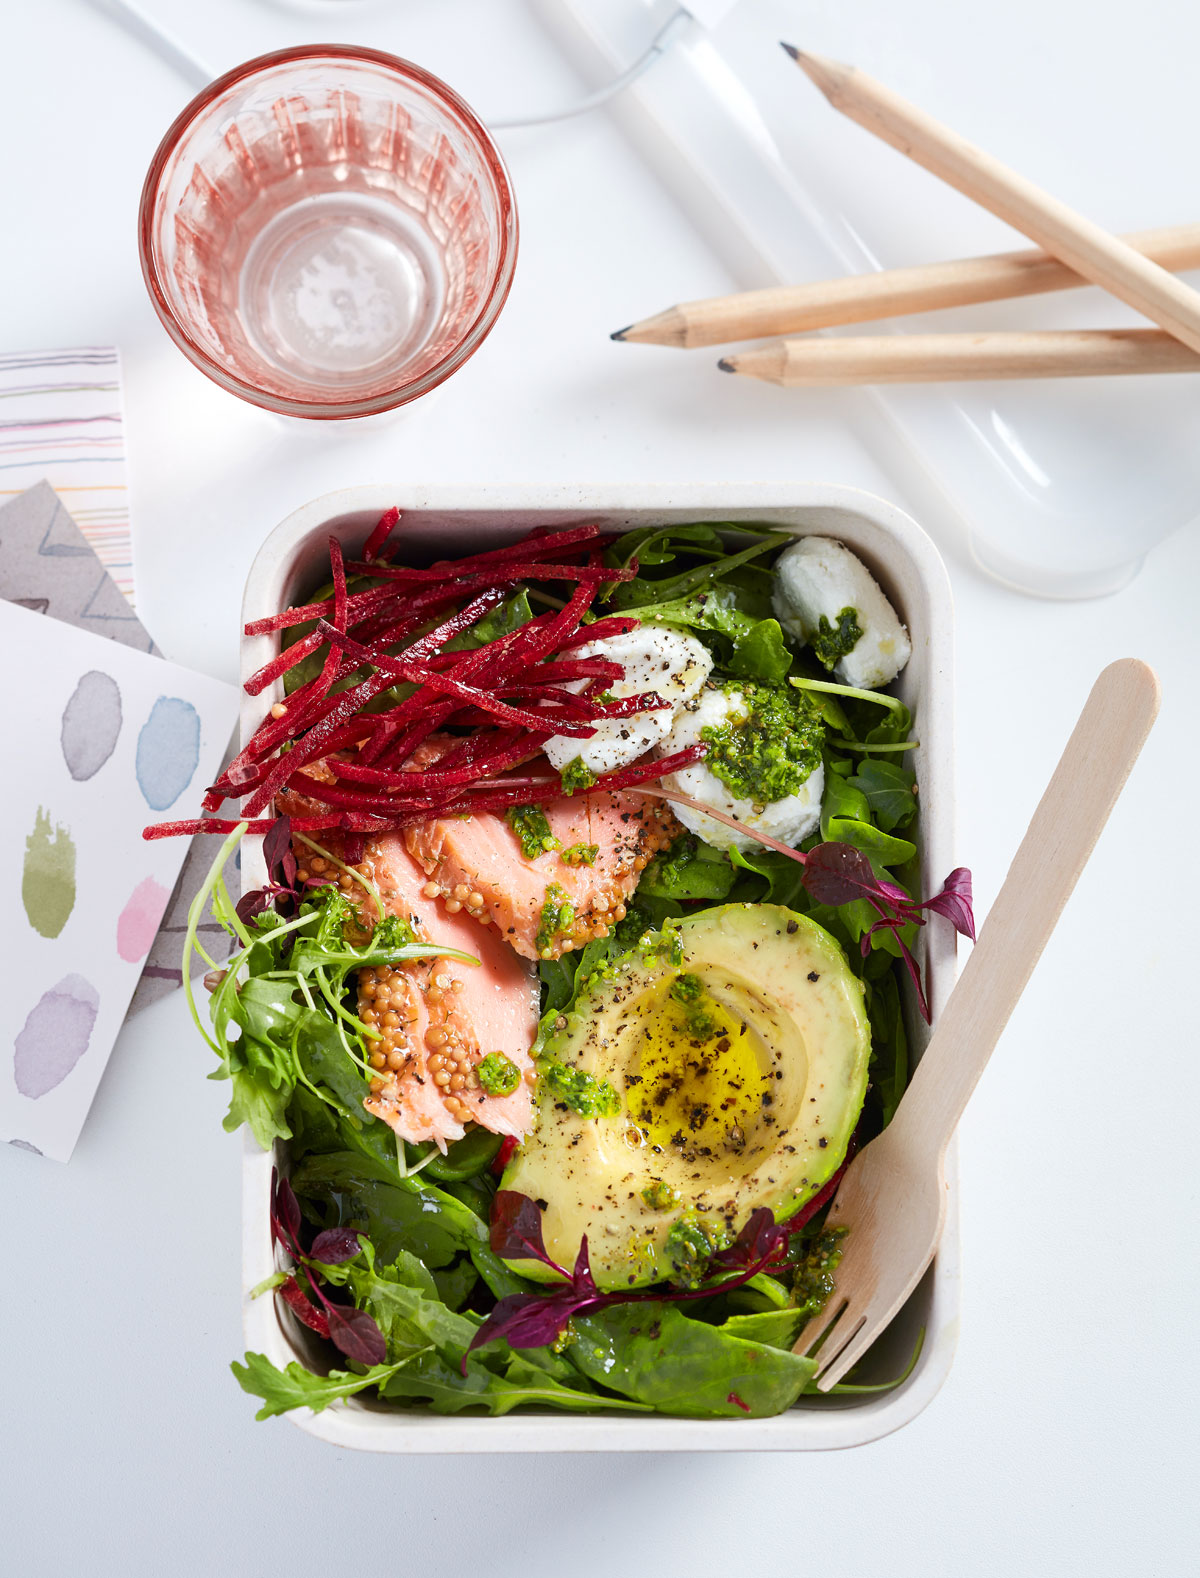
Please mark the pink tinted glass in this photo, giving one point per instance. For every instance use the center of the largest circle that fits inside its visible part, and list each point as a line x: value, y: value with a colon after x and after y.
x: 328, y: 231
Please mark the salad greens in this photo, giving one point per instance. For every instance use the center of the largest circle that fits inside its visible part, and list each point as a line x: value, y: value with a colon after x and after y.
x: 396, y: 1253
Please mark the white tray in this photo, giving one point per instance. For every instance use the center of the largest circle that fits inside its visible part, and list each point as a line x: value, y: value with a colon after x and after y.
x: 441, y: 521
x: 1061, y: 487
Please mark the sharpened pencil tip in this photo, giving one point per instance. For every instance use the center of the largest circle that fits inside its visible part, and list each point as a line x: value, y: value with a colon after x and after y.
x: 726, y: 365
x: 619, y: 334
x: 790, y: 49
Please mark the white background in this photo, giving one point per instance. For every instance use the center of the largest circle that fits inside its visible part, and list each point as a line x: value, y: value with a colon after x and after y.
x: 1065, y: 1440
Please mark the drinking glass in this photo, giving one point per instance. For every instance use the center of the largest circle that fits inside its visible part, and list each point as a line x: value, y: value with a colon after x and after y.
x: 328, y: 231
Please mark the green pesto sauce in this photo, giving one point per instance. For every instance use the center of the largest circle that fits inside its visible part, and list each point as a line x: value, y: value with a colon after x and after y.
x: 812, y: 1277
x: 580, y: 855
x: 557, y: 915
x: 576, y: 776
x: 687, y: 988
x: 689, y: 1246
x: 659, y: 1196
x: 661, y: 947
x: 529, y: 823
x: 699, y: 1024
x: 583, y: 1093
x: 829, y: 644
x: 769, y: 752
x: 498, y: 1074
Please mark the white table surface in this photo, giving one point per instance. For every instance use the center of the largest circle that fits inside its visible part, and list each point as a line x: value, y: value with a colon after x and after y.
x: 1064, y: 1441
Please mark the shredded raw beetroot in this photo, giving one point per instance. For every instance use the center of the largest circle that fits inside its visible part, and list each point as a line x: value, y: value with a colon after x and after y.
x: 336, y: 742
x: 384, y: 527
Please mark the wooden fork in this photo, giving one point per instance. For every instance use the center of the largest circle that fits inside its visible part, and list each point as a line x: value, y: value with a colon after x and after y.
x: 893, y: 1196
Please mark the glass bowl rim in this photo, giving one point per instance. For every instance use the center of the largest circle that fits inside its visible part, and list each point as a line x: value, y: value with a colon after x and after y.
x: 328, y: 409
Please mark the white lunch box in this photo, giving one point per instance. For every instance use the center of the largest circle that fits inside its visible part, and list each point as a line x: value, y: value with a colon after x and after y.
x: 442, y: 522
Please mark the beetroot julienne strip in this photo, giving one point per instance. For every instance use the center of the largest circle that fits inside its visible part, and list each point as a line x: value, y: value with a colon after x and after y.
x: 319, y: 738
x: 382, y: 530
x: 359, y: 799
x: 300, y: 824
x: 602, y: 628
x: 280, y: 665
x: 445, y: 683
x: 524, y: 570
x: 539, y: 543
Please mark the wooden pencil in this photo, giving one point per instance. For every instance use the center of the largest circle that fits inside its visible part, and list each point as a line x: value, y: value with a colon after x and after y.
x: 1082, y: 245
x: 948, y: 358
x: 893, y: 293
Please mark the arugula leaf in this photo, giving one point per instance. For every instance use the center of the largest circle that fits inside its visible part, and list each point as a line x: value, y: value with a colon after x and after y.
x: 447, y: 1391
x: 758, y: 648
x: 761, y: 653
x: 655, y: 1354
x: 661, y: 544
x: 632, y: 595
x: 296, y: 1387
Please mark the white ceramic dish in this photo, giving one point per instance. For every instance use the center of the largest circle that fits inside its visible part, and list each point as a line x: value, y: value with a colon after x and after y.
x: 443, y: 521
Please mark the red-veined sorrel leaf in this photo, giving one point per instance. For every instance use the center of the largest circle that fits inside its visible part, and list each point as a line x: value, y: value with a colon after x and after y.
x: 285, y: 1215
x: 516, y: 1229
x: 334, y: 1246
x: 838, y: 874
x: 955, y: 902
x: 293, y: 1296
x: 758, y: 1242
x: 533, y: 1320
x: 355, y: 1333
x: 277, y: 843
x: 252, y: 904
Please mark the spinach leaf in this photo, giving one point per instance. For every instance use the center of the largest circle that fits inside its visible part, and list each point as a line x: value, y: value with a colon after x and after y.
x: 655, y: 1354
x: 888, y: 791
x: 778, y: 1328
x: 396, y: 1213
x: 881, y: 849
x: 889, y: 1044
x: 841, y: 798
x: 502, y: 621
x: 690, y: 869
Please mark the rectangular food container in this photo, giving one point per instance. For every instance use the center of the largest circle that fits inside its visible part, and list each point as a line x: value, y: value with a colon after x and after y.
x: 441, y: 522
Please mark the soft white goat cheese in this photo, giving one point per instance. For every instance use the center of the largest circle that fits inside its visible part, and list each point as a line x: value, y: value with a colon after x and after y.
x: 791, y: 819
x: 817, y: 578
x: 666, y: 661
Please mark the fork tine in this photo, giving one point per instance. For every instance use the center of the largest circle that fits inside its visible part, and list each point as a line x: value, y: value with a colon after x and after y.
x: 819, y: 1327
x: 860, y: 1334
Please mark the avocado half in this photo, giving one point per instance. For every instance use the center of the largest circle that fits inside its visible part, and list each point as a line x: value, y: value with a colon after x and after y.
x: 740, y: 1059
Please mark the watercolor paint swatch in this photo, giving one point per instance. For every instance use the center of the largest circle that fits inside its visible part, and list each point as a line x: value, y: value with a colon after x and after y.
x: 47, y: 565
x: 100, y: 739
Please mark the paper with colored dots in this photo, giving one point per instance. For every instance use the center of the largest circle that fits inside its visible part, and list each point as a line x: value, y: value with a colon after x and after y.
x: 100, y: 740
